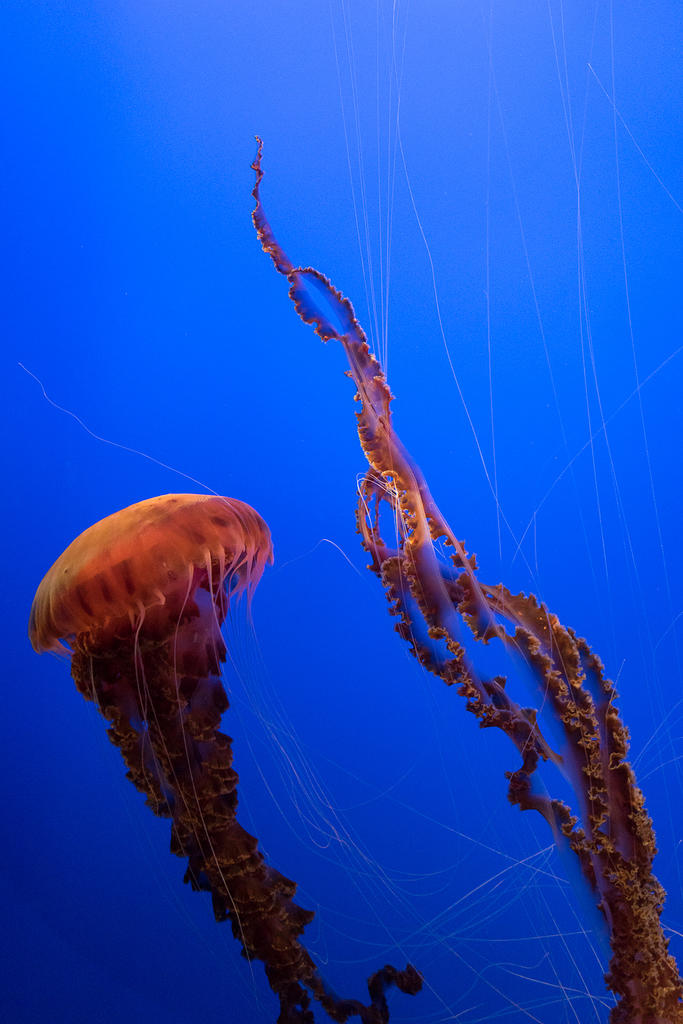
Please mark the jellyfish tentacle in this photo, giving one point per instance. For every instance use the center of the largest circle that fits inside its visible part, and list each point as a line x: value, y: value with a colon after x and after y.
x: 183, y: 765
x: 615, y: 842
x: 193, y: 782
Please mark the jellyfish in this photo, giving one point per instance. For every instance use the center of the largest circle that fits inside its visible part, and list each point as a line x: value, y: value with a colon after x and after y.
x: 609, y: 831
x: 138, y: 601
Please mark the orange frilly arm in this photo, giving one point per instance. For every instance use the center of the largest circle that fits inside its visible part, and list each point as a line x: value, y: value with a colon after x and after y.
x: 434, y: 602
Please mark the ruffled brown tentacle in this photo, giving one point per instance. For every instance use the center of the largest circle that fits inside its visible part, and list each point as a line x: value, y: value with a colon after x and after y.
x: 435, y: 601
x: 164, y: 701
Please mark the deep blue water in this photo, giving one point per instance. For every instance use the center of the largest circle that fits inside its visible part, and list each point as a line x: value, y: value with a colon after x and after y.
x: 541, y: 150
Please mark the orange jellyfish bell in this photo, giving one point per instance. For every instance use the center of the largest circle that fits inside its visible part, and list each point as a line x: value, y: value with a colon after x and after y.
x: 143, y: 562
x: 140, y: 598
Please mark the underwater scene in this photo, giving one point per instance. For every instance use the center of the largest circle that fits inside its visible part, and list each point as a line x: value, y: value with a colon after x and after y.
x: 342, y: 414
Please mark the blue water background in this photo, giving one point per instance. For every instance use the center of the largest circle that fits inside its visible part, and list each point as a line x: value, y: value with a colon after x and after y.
x: 136, y: 292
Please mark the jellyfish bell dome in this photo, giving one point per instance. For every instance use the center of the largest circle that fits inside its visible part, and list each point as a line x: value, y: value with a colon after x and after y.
x: 146, y: 565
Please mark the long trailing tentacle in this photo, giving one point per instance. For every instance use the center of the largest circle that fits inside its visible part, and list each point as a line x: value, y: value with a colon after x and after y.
x: 614, y: 838
x: 164, y: 702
